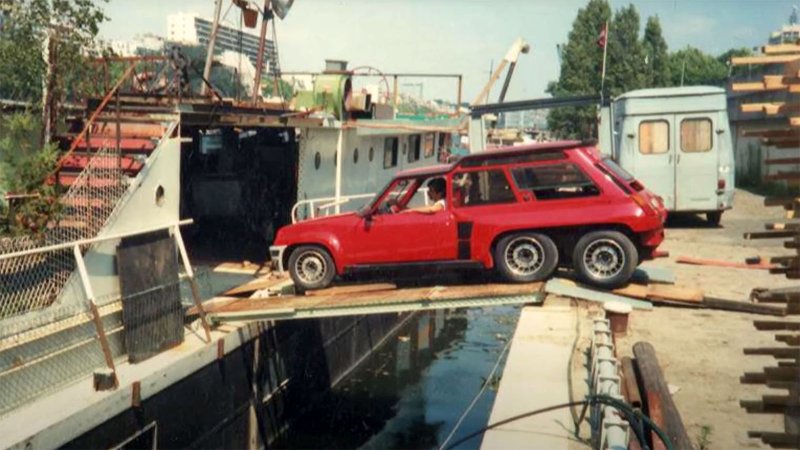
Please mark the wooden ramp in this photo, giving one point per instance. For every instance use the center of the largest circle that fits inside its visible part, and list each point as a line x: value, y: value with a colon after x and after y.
x: 385, y: 298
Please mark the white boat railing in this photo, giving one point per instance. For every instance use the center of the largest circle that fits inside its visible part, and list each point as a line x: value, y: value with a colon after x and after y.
x: 327, y: 203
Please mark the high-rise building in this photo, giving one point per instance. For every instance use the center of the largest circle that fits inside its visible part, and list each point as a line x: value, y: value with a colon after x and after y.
x: 191, y: 29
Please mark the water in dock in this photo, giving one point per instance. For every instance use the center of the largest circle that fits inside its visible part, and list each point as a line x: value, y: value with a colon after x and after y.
x: 411, y: 392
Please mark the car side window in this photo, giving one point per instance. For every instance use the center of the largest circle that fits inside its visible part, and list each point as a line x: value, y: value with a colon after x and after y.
x: 653, y: 137
x: 554, y: 181
x: 484, y: 187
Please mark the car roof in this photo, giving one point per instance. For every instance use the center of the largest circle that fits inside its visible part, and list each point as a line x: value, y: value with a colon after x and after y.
x: 441, y: 169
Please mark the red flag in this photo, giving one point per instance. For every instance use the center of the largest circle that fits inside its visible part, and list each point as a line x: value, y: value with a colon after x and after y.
x: 603, y: 37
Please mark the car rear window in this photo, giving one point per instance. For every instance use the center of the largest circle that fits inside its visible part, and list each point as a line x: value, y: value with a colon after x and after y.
x: 555, y: 181
x: 617, y: 169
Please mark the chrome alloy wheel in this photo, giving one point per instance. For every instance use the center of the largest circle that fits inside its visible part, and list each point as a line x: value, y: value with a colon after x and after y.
x: 604, y: 258
x: 310, y: 267
x: 524, y: 255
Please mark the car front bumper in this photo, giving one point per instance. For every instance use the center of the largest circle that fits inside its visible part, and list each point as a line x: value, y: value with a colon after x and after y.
x: 276, y: 255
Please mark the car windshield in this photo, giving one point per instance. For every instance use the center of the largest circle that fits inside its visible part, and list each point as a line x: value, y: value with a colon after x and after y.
x: 617, y: 169
x: 395, y: 193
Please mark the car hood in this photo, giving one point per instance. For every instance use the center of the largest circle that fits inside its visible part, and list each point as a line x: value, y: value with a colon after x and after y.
x: 290, y: 232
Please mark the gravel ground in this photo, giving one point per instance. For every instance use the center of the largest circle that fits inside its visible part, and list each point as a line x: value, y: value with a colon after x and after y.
x: 700, y: 351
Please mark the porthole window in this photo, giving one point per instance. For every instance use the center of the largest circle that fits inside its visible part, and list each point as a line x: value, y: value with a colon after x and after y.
x: 160, y: 195
x: 371, y: 154
x: 355, y: 156
x: 317, y: 160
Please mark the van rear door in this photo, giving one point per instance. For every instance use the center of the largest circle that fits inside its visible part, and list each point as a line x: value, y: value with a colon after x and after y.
x: 697, y: 152
x: 651, y: 154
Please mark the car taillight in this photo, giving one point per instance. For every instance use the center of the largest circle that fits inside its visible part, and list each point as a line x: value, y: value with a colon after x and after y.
x: 721, y: 183
x: 646, y: 207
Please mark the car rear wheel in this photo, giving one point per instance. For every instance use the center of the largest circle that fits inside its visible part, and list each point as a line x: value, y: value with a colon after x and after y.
x: 311, y: 267
x: 526, y: 257
x: 605, y: 259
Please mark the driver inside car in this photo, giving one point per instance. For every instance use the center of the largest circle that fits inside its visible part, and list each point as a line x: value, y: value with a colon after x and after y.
x: 436, y: 193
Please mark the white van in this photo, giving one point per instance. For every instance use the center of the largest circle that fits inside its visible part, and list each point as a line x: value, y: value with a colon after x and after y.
x: 677, y: 142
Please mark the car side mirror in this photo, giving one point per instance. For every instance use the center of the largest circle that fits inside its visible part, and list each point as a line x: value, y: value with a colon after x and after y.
x: 365, y: 214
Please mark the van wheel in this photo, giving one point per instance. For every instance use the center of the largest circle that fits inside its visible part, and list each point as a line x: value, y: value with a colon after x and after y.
x: 714, y: 218
x: 526, y: 257
x: 311, y: 267
x: 605, y: 259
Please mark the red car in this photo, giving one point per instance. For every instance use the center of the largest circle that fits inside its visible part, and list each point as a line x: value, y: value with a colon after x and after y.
x: 522, y: 211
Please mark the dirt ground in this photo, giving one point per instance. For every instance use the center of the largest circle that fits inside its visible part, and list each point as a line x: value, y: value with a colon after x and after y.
x: 700, y: 351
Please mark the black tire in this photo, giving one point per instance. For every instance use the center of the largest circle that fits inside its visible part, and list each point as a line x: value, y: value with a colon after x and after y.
x: 714, y: 218
x: 536, y: 257
x: 311, y: 267
x: 605, y: 259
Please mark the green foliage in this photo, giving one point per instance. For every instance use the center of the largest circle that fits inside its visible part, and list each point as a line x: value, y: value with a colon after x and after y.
x: 71, y: 26
x: 656, y: 55
x: 625, y: 68
x: 692, y: 67
x: 735, y: 71
x: 25, y: 166
x: 268, y: 88
x: 704, y: 438
x: 581, y: 65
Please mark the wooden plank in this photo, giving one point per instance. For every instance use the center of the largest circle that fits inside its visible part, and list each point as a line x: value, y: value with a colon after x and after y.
x: 655, y: 291
x: 770, y: 234
x: 720, y: 263
x: 250, y: 287
x: 753, y: 378
x: 740, y: 306
x: 789, y: 339
x: 395, y: 296
x: 781, y: 440
x: 776, y: 325
x: 657, y: 396
x: 778, y: 49
x: 353, y: 289
x: 758, y: 86
x: 775, y: 352
x: 774, y: 133
x: 772, y: 59
x: 795, y: 121
x: 569, y: 288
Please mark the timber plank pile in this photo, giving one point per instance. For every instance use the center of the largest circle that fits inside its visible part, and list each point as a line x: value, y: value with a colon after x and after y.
x: 784, y: 79
x: 785, y: 374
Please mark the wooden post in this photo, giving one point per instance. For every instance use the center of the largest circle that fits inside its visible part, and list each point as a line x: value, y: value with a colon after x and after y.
x: 98, y: 322
x: 660, y: 407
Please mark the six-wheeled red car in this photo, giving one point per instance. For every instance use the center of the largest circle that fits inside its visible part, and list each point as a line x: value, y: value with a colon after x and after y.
x: 523, y: 211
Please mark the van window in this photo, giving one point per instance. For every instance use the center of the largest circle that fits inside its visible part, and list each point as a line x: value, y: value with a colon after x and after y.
x: 555, y: 181
x: 653, y: 137
x: 390, y: 152
x: 696, y: 135
x: 485, y: 187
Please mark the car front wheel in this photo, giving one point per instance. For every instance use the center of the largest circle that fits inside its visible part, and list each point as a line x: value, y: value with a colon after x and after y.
x: 526, y: 257
x: 311, y: 267
x: 605, y: 259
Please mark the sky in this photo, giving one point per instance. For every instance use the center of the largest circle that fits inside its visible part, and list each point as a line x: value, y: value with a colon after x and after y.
x: 465, y: 37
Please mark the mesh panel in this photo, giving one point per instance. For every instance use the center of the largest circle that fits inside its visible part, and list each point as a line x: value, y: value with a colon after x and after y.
x: 33, y: 282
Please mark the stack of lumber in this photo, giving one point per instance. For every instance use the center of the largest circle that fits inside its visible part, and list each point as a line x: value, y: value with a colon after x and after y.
x: 785, y: 78
x: 785, y: 374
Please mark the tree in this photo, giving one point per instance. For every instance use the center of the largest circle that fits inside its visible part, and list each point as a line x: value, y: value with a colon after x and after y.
x: 735, y: 71
x: 692, y: 67
x: 70, y: 26
x: 581, y: 65
x: 625, y: 68
x: 656, y: 55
